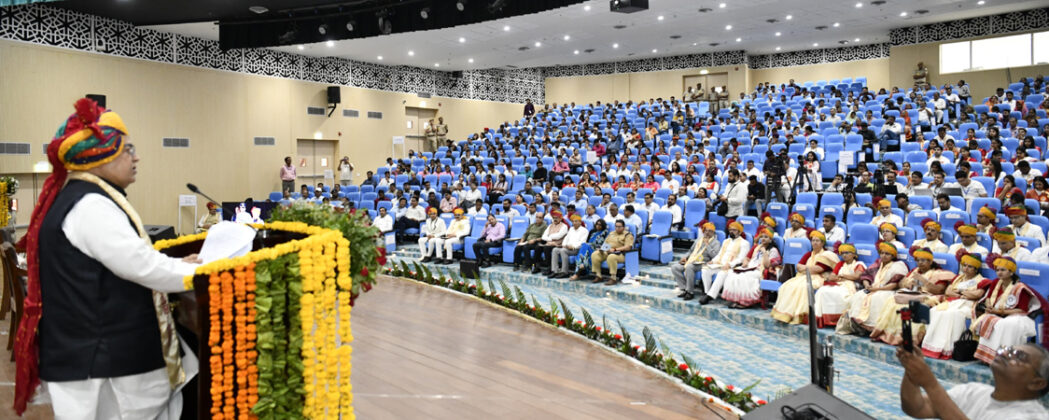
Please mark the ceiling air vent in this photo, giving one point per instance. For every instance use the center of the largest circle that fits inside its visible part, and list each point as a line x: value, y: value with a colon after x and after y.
x: 265, y: 141
x: 14, y: 148
x: 175, y: 142
x: 821, y: 27
x: 352, y: 113
x: 771, y: 20
x: 375, y: 115
x: 619, y: 27
x: 314, y: 110
x: 877, y: 2
x: 705, y: 10
x: 675, y: 37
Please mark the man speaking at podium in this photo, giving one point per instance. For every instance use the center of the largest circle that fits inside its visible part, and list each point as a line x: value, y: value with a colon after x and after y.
x: 97, y: 326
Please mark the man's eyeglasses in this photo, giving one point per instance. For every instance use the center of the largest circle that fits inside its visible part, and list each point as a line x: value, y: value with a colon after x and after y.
x: 129, y: 149
x: 1011, y: 353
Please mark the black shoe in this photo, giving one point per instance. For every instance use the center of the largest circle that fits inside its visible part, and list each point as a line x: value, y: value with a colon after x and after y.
x: 547, y: 273
x: 683, y: 294
x: 427, y: 259
x: 688, y: 296
x: 705, y: 299
x: 516, y: 267
x: 443, y: 262
x: 536, y: 270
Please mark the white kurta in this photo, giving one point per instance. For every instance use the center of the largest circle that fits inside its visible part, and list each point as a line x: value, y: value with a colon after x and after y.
x: 116, y: 244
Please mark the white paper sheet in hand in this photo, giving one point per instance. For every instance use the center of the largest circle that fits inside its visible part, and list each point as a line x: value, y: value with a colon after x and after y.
x: 227, y: 240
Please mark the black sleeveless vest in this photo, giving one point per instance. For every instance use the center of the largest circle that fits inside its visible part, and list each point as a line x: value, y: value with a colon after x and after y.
x: 93, y: 323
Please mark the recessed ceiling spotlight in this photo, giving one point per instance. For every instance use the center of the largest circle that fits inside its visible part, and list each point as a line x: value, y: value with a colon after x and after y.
x: 379, y: 58
x: 538, y: 44
x: 714, y: 44
x: 424, y: 13
x: 615, y: 45
x: 859, y: 5
x: 694, y: 44
x: 460, y: 5
x: 301, y: 48
x: 739, y: 39
x: 779, y: 33
x: 777, y: 48
x: 471, y: 61
x: 654, y: 51
x: 728, y: 27
x: 856, y: 40
x: 411, y: 53
x: 619, y: 27
x: 462, y: 40
x: 351, y: 25
x: 815, y: 44
x: 980, y: 3
x: 330, y: 44
x: 567, y: 37
x: 323, y: 29
x: 506, y: 28
x: 588, y: 50
x: 660, y: 18
x: 789, y: 17
x: 722, y: 5
x: 675, y: 37
x: 576, y: 52
x: 843, y: 42
x: 586, y: 8
x: 437, y: 64
x: 837, y: 24
x: 903, y: 14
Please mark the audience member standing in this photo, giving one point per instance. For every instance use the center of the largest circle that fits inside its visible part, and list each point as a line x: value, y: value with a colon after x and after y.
x: 287, y: 176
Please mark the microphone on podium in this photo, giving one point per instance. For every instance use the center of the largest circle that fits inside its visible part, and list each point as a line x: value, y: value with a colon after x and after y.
x: 195, y: 190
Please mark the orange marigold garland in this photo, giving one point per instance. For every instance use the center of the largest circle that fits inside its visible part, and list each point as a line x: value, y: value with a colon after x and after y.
x: 215, y: 343
x: 226, y: 290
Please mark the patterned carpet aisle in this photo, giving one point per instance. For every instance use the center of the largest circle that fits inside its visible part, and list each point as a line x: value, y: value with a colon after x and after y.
x: 742, y: 356
x: 737, y: 354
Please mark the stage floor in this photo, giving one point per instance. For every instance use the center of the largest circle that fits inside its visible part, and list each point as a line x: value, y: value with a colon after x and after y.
x: 420, y: 352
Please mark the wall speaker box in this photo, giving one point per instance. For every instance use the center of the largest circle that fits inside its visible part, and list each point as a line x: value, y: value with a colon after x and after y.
x: 159, y: 232
x: 100, y: 99
x: 334, y: 95
x: 468, y: 269
x: 808, y: 402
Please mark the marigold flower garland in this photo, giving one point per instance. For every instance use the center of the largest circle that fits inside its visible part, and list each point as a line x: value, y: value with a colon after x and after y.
x: 320, y: 307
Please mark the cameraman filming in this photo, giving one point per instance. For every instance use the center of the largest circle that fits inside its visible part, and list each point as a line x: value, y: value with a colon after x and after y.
x: 775, y: 173
x: 1021, y: 377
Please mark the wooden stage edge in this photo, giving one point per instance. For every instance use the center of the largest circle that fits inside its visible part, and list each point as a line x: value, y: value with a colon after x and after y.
x: 424, y: 352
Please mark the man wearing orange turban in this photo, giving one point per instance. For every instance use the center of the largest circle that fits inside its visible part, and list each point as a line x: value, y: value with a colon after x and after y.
x: 932, y: 237
x: 1023, y: 227
x: 967, y: 240
x: 704, y: 249
x: 1006, y: 246
x: 731, y: 254
x: 97, y: 324
x: 797, y: 227
x: 885, y: 214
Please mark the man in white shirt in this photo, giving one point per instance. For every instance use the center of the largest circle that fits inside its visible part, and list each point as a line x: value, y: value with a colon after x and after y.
x: 477, y: 210
x: 752, y: 170
x: 580, y: 202
x: 457, y: 230
x: 703, y: 250
x: 606, y: 201
x: 1006, y: 246
x: 412, y: 218
x: 1022, y: 227
x: 675, y: 211
x: 967, y: 236
x: 670, y: 183
x: 613, y: 214
x: 796, y: 230
x: 814, y: 147
x: 383, y: 221
x: 467, y: 199
x: 506, y: 210
x: 932, y: 237
x: 632, y: 219
x: 552, y: 238
x: 942, y: 136
x: 1025, y: 171
x: 733, y: 251
x: 574, y: 239
x: 885, y: 215
x: 831, y: 230
x: 943, y: 203
x: 430, y: 232
x: 649, y: 206
x: 970, y: 189
x: 386, y: 181
x: 1021, y: 377
x: 735, y: 195
x: 914, y: 183
x: 591, y: 215
x: 892, y: 130
x: 937, y: 156
x: 941, y: 106
x: 890, y: 180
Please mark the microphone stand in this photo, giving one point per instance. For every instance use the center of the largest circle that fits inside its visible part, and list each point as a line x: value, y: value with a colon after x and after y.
x: 821, y: 355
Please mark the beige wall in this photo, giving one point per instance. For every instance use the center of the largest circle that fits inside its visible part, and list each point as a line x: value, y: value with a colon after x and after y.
x: 876, y: 71
x: 220, y: 112
x: 634, y: 86
x: 983, y: 83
